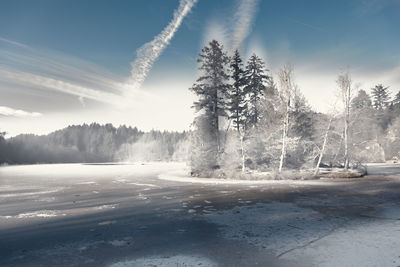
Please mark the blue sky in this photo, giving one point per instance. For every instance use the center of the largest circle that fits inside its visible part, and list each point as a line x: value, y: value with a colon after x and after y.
x: 92, y: 44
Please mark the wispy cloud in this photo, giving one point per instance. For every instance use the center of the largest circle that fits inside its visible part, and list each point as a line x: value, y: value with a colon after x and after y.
x: 7, y: 111
x: 216, y: 30
x: 57, y: 65
x: 25, y: 66
x: 39, y: 81
x: 4, y: 40
x: 232, y: 30
x: 243, y: 20
x: 308, y: 25
x: 367, y: 7
x: 149, y: 52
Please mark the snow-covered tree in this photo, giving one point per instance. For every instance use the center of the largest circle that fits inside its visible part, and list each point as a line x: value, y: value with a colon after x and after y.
x: 255, y: 80
x: 381, y: 96
x: 301, y: 117
x: 347, y: 91
x: 365, y: 144
x: 237, y: 104
x: 322, y: 148
x: 203, y: 146
x: 301, y: 131
x: 396, y: 105
x: 396, y: 100
x: 236, y: 96
x: 211, y: 91
x: 361, y: 101
x: 393, y: 140
x: 286, y: 92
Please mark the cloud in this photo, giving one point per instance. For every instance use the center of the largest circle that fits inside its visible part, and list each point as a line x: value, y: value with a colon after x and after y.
x: 12, y: 42
x: 58, y: 66
x: 216, y: 30
x: 367, y: 7
x: 256, y: 46
x: 7, y: 111
x: 40, y: 81
x: 82, y: 100
x: 149, y: 52
x: 310, y: 26
x: 387, y: 76
x: 318, y: 82
x: 243, y: 20
x: 21, y: 65
x: 233, y: 31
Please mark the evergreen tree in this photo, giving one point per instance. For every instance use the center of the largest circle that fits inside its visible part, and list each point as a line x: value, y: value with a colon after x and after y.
x: 211, y: 89
x: 255, y: 88
x: 396, y: 105
x: 381, y: 96
x: 361, y: 101
x: 203, y: 147
x: 301, y: 117
x: 396, y: 100
x: 3, y: 148
x: 237, y: 102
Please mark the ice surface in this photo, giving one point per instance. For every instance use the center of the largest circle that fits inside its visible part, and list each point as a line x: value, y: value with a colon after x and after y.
x: 166, y: 261
x: 296, y: 233
x: 39, y: 213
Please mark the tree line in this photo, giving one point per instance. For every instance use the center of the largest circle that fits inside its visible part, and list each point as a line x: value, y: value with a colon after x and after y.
x: 93, y: 143
x: 245, y: 121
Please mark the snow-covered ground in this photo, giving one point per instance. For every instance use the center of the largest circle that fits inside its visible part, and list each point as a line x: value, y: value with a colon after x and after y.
x: 182, y: 177
x: 154, y: 215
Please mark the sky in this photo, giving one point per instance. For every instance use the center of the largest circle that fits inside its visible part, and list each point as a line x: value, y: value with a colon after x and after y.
x: 66, y: 62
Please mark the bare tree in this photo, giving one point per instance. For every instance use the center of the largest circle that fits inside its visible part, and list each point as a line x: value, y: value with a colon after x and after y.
x: 332, y: 116
x: 347, y: 90
x: 322, y: 150
x: 286, y: 93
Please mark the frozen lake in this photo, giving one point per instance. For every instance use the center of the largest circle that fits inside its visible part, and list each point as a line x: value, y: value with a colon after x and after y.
x: 124, y: 215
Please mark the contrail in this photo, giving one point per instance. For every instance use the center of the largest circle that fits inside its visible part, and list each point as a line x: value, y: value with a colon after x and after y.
x: 149, y: 52
x: 243, y: 19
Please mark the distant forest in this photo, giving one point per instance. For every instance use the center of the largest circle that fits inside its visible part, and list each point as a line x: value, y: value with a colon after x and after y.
x: 94, y: 143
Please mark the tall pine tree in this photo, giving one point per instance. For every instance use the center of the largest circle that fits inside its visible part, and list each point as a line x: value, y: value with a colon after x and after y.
x: 255, y: 80
x: 381, y: 96
x: 211, y: 89
x: 236, y: 97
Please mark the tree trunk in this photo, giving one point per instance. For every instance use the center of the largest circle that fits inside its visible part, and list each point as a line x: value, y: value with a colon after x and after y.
x: 284, y: 134
x: 216, y: 118
x: 243, y: 156
x: 346, y: 131
x: 338, y: 150
x: 321, y: 154
x: 346, y: 145
x: 237, y: 121
x: 226, y: 133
